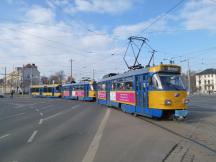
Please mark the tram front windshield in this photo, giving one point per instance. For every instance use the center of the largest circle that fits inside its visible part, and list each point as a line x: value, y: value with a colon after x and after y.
x: 168, y: 82
x: 171, y: 82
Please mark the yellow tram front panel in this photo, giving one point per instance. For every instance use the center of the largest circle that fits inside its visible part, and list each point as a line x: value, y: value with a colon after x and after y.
x: 57, y: 94
x: 175, y: 99
x: 92, y: 94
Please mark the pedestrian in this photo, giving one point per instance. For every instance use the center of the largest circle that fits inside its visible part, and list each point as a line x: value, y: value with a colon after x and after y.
x: 12, y: 92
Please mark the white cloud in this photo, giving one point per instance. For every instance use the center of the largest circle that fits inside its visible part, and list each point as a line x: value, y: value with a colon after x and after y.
x: 199, y: 14
x: 51, y: 45
x: 124, y: 31
x: 39, y: 14
x: 98, y: 6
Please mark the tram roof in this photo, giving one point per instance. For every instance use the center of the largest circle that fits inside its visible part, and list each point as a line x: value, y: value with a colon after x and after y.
x: 127, y: 74
x: 80, y: 83
x: 169, y: 68
x: 45, y: 85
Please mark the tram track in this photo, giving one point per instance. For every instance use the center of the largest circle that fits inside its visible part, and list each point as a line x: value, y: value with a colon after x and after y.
x: 187, y: 137
x: 184, y: 144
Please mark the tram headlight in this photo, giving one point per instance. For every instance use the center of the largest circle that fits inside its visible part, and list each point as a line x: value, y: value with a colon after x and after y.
x: 168, y: 102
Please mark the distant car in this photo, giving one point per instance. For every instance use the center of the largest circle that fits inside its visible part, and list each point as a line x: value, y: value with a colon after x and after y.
x: 1, y: 95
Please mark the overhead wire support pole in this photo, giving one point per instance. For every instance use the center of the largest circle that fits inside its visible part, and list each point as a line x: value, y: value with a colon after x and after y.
x: 93, y: 74
x: 71, y: 62
x: 5, y: 80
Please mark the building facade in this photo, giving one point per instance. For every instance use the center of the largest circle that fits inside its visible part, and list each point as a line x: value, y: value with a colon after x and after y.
x: 22, y: 78
x: 206, y: 81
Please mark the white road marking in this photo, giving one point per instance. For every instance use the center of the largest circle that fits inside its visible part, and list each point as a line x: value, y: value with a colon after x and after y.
x: 40, y: 122
x: 14, y: 115
x: 60, y: 113
x: 37, y: 110
x: 52, y: 116
x: 6, y: 135
x: 45, y: 107
x: 92, y: 150
x: 41, y: 114
x: 32, y: 136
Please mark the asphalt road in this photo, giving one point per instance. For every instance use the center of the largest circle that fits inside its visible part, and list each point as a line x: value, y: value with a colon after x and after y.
x: 55, y: 130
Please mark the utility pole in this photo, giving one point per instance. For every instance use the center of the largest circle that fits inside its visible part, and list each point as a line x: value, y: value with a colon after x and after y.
x: 23, y: 80
x: 71, y: 61
x: 31, y: 80
x: 5, y: 80
x: 93, y: 74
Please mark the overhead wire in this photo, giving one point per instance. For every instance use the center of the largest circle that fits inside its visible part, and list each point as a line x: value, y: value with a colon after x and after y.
x: 162, y: 16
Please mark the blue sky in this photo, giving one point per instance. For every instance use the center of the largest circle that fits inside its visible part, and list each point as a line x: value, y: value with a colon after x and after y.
x: 50, y: 32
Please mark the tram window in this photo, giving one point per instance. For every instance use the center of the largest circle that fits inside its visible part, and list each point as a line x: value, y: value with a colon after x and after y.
x: 81, y: 87
x: 155, y: 82
x: 114, y: 86
x: 128, y: 85
x: 103, y: 87
x: 45, y: 89
x: 91, y: 87
x: 58, y: 89
x: 49, y: 89
x: 122, y: 86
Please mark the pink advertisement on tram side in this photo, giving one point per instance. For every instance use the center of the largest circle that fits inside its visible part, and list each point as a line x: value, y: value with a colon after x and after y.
x: 102, y: 95
x: 127, y: 97
x: 79, y: 93
x: 66, y: 93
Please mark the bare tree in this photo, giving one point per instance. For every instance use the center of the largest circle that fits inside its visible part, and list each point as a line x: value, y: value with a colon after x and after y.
x: 71, y: 79
x: 44, y: 80
x: 57, y: 78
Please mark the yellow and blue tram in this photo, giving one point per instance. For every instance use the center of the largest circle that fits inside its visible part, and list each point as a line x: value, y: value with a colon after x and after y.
x: 85, y: 90
x: 49, y: 90
x: 155, y: 92
x: 36, y: 90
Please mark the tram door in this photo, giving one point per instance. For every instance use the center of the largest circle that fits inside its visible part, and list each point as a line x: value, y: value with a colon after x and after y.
x: 141, y: 93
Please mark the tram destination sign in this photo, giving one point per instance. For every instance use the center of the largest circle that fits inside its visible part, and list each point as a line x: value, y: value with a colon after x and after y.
x: 175, y: 69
